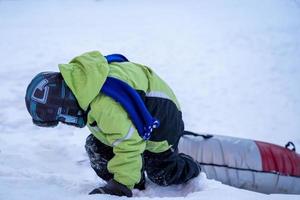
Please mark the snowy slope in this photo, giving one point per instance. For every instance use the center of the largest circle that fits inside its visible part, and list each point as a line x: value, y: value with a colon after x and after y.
x: 234, y: 66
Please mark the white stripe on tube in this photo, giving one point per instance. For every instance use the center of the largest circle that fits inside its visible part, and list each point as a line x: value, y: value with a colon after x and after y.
x: 222, y: 150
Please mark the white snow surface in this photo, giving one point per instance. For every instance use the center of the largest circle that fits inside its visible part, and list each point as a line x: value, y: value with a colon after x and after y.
x: 234, y: 65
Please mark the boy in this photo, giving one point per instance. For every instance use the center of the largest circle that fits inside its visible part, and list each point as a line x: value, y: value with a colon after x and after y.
x: 134, y: 117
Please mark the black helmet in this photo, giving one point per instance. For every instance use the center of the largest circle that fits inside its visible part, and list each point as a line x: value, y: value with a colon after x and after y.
x: 49, y: 101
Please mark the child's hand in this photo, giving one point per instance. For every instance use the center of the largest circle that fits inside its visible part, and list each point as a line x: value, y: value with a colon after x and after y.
x: 113, y: 188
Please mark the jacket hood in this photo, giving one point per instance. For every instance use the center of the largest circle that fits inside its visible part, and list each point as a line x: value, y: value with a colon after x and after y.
x: 85, y: 76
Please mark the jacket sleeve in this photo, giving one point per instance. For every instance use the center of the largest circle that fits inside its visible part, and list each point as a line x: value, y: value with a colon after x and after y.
x: 121, y: 134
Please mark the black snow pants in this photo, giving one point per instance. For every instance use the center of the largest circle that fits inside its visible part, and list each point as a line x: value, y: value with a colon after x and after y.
x: 166, y: 168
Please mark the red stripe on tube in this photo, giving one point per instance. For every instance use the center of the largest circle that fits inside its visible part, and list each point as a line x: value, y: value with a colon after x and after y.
x: 279, y: 159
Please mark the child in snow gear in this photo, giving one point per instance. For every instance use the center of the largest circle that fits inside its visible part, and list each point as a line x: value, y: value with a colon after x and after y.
x: 134, y: 117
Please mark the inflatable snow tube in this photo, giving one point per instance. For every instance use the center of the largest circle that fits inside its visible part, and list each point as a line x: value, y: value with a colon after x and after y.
x: 243, y: 163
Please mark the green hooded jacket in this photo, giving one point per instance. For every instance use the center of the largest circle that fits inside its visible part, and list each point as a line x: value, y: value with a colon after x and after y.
x: 107, y: 120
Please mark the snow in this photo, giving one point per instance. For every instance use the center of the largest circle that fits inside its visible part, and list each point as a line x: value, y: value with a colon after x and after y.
x: 234, y: 66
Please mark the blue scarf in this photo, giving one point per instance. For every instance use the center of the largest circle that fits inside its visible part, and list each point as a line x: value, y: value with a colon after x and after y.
x: 130, y: 101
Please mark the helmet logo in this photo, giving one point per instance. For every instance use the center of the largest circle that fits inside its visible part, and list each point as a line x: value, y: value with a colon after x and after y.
x: 40, y: 93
